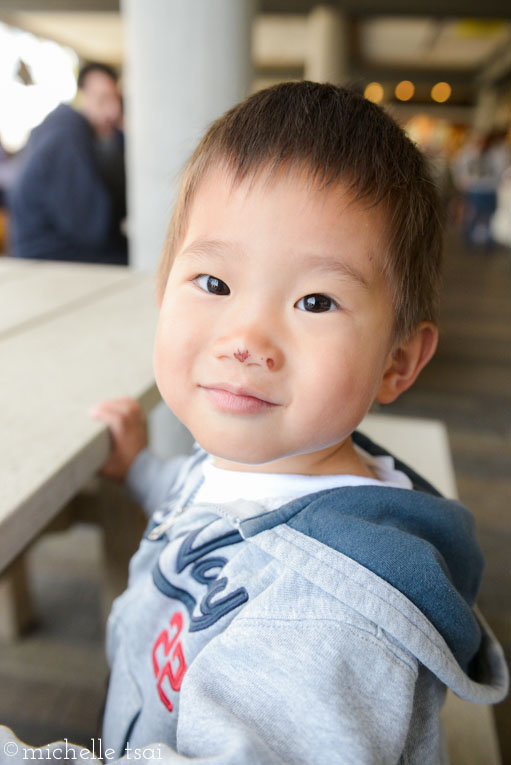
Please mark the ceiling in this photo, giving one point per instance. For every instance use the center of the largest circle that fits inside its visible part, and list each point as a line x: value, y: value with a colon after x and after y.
x: 430, y: 42
x: 94, y: 36
x: 385, y: 44
x: 388, y: 40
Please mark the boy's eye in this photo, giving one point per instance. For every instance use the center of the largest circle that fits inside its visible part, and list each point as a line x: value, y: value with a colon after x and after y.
x: 316, y: 304
x: 212, y: 284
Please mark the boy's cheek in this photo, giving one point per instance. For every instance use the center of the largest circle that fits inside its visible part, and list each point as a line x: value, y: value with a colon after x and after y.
x: 173, y: 366
x: 164, y: 363
x: 167, y: 384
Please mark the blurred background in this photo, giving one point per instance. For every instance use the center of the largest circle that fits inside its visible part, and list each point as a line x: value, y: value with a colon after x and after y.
x: 443, y: 69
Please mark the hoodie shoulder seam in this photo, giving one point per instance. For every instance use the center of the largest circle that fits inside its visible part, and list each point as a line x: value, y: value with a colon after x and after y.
x: 284, y: 532
x: 376, y: 637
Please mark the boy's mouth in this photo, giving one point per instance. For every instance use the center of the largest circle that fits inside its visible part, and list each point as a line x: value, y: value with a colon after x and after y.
x: 236, y: 399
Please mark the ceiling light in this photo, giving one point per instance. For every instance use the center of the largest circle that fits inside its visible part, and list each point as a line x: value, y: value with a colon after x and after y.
x: 441, y: 92
x: 374, y: 92
x: 404, y: 90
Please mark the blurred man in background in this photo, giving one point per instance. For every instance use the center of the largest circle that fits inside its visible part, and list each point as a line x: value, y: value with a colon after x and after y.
x: 68, y: 201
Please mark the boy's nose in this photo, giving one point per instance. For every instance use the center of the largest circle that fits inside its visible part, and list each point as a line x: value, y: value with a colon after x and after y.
x: 249, y: 349
x: 245, y: 355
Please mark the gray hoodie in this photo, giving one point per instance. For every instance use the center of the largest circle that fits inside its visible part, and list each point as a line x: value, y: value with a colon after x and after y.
x: 325, y: 631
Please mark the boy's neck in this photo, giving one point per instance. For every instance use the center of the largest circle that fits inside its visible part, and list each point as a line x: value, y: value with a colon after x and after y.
x: 340, y: 459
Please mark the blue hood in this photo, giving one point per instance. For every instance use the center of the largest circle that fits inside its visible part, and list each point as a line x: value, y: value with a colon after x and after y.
x: 419, y: 542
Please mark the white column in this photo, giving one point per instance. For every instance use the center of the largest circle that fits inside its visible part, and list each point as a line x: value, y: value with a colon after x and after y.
x: 186, y: 62
x: 326, y: 57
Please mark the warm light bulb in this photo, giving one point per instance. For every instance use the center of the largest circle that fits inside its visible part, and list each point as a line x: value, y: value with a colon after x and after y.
x: 404, y: 90
x: 374, y: 92
x: 441, y: 92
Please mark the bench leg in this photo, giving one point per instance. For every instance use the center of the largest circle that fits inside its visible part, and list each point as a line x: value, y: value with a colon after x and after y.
x: 16, y: 613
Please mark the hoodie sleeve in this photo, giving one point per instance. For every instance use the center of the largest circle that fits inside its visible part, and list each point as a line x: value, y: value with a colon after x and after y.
x: 300, y: 691
x: 277, y: 691
x: 150, y: 479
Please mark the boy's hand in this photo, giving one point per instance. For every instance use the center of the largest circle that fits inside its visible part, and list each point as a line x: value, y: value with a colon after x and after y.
x: 128, y: 430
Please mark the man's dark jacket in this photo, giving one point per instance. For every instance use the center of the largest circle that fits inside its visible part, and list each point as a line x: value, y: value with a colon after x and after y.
x: 61, y: 207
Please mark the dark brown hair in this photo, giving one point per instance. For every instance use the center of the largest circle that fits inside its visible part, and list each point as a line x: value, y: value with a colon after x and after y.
x: 339, y: 137
x: 95, y: 66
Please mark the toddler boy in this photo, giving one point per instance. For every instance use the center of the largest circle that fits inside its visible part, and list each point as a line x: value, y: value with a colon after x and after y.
x: 300, y: 596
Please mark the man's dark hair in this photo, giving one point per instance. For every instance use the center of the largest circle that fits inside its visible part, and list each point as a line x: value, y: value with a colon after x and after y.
x: 95, y: 66
x: 338, y: 137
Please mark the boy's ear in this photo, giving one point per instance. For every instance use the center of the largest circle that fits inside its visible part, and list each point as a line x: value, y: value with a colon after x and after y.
x: 406, y: 362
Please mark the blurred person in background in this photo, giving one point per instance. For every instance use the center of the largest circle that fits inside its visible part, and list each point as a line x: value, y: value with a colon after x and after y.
x: 4, y: 159
x: 68, y: 199
x: 478, y: 170
x: 500, y: 224
x: 9, y: 166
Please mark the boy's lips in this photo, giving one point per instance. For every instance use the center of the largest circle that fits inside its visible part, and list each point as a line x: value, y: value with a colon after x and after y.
x: 237, y: 399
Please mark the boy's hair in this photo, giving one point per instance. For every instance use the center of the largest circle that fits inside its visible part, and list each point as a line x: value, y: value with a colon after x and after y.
x: 338, y: 136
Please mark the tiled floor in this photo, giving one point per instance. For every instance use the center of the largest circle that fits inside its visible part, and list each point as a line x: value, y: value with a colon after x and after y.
x: 52, y: 681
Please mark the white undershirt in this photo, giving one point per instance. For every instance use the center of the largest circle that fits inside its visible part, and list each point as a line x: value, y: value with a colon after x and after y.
x: 274, y: 489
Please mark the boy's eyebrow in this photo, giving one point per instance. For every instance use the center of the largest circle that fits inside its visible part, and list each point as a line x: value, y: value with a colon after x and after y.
x: 215, y: 247
x: 328, y: 264
x: 316, y: 262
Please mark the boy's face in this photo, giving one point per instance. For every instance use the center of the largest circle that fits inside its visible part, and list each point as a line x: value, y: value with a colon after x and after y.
x: 275, y: 327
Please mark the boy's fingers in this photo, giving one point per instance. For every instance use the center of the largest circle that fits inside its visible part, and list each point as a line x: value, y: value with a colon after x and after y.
x: 113, y: 421
x: 115, y: 404
x: 125, y: 407
x: 102, y: 408
x: 127, y: 431
x: 125, y: 404
x: 126, y: 424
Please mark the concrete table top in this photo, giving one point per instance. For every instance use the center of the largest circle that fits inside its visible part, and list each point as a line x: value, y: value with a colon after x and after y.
x: 70, y: 335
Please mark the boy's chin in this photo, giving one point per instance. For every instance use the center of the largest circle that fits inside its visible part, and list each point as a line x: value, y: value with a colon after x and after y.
x: 242, y: 460
x: 265, y: 459
x: 240, y: 457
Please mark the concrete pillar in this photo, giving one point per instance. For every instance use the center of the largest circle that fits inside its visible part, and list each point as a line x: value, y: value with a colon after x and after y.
x: 186, y: 62
x: 326, y: 57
